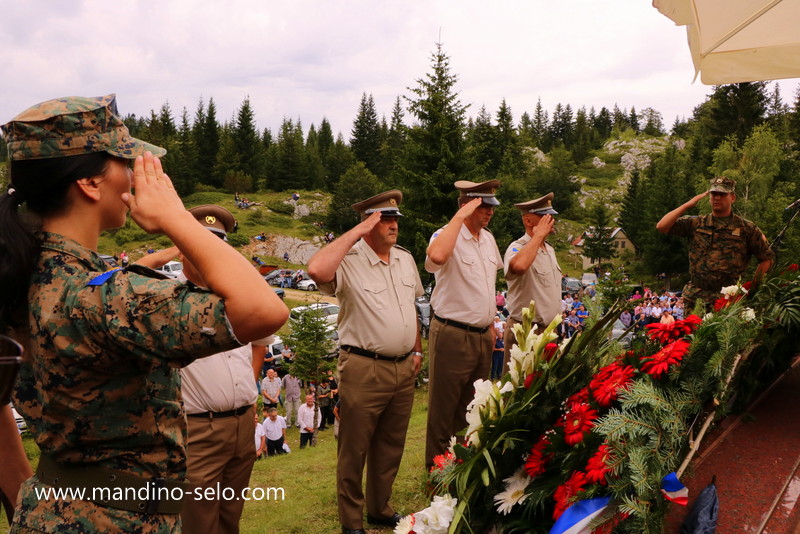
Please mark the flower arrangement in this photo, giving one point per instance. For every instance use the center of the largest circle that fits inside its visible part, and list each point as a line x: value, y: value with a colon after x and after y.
x: 587, y: 421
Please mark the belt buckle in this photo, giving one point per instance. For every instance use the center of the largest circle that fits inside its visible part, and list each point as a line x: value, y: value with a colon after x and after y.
x: 152, y: 504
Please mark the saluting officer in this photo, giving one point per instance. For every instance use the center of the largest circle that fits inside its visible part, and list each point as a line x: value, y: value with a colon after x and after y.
x: 532, y: 270
x: 219, y: 394
x: 376, y: 282
x: 464, y: 258
x: 720, y: 243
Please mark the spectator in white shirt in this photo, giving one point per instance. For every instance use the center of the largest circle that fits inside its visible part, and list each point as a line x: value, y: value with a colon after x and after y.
x: 308, y: 417
x: 261, y: 442
x: 275, y: 430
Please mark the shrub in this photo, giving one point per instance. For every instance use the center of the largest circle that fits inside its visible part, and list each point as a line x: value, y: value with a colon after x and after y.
x: 238, y: 240
x: 280, y: 207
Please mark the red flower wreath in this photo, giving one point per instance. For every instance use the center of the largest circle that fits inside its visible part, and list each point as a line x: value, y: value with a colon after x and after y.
x: 535, y: 464
x: 576, y: 422
x: 608, y: 382
x: 659, y: 363
x: 565, y: 493
x: 596, y: 468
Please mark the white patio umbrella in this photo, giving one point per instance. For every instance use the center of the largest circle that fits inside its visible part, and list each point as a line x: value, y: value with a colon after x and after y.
x: 735, y: 41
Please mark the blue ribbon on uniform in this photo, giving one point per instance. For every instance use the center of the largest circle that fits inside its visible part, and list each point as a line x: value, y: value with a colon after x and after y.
x: 101, y: 279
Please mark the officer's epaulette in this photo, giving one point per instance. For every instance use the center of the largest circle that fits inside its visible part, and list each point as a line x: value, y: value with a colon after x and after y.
x: 402, y: 248
x: 351, y: 251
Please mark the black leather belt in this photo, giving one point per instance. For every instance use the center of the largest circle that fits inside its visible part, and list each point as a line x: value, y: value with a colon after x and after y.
x: 109, y: 487
x: 218, y: 415
x: 374, y: 355
x: 462, y: 326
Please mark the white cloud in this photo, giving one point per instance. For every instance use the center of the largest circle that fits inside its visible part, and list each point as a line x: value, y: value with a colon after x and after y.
x: 312, y: 59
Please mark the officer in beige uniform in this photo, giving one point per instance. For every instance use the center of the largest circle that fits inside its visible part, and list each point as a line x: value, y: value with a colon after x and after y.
x: 376, y: 283
x: 464, y: 258
x: 532, y: 270
x: 219, y: 395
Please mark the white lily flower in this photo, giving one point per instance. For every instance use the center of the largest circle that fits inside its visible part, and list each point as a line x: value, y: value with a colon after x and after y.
x: 748, y: 314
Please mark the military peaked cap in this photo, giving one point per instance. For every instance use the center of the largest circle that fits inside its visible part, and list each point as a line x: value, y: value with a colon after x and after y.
x: 386, y: 203
x: 484, y: 190
x: 215, y: 218
x: 540, y: 206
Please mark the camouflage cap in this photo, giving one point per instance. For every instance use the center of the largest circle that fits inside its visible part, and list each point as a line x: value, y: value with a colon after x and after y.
x: 721, y: 184
x: 71, y: 126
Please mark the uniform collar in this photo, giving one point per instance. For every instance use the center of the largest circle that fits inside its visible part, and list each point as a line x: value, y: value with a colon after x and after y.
x: 70, y: 247
x: 370, y: 254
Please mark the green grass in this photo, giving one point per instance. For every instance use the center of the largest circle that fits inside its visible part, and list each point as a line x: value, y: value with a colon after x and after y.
x: 308, y: 480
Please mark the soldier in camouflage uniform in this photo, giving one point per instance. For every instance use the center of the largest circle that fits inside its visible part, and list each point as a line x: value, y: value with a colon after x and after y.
x: 720, y: 243
x: 99, y: 387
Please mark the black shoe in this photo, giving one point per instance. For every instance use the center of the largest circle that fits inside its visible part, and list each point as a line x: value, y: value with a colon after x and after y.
x: 386, y: 521
x: 346, y: 530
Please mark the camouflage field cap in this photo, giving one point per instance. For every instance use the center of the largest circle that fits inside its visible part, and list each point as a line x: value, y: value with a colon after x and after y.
x: 721, y: 184
x: 71, y: 126
x: 387, y: 203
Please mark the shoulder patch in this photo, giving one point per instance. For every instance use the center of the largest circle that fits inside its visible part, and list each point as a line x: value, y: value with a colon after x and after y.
x: 515, y: 249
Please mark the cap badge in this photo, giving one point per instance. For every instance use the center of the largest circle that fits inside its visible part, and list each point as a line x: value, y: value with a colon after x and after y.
x: 393, y: 202
x: 210, y: 219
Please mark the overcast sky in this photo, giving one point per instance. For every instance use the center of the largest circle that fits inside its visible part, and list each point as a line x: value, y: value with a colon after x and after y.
x: 312, y: 59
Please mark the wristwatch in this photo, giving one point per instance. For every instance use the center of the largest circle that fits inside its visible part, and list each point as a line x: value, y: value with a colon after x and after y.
x: 416, y: 353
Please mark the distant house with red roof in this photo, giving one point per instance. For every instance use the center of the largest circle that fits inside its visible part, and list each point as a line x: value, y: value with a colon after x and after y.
x: 622, y: 243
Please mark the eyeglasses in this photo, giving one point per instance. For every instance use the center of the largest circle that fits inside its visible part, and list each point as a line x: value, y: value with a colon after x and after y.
x: 10, y: 360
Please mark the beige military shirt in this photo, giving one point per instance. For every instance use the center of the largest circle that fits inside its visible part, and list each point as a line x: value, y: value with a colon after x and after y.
x: 222, y: 381
x: 540, y: 283
x: 465, y: 283
x: 376, y: 300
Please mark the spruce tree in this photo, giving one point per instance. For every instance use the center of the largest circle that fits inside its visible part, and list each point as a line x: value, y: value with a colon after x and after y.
x: 436, y: 155
x: 246, y: 142
x: 599, y: 244
x: 365, y: 136
x: 355, y: 185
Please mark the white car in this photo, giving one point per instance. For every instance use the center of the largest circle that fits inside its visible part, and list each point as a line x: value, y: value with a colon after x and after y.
x: 22, y: 426
x: 330, y: 312
x: 171, y: 268
x: 307, y: 285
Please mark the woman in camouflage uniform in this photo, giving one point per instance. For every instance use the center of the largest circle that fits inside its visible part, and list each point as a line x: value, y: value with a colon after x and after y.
x: 99, y: 387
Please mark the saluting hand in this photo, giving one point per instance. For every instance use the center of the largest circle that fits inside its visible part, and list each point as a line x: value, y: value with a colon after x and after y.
x: 155, y: 199
x: 545, y: 226
x: 366, y: 226
x: 697, y: 198
x: 469, y: 208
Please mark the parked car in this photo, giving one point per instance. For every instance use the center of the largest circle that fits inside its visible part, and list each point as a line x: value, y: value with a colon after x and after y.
x: 307, y: 285
x: 280, y: 292
x: 333, y: 334
x: 330, y: 312
x: 171, y: 268
x: 570, y: 284
x: 588, y: 279
x: 274, y: 277
x: 621, y: 333
x: 109, y: 260
x: 423, y: 316
x: 22, y: 426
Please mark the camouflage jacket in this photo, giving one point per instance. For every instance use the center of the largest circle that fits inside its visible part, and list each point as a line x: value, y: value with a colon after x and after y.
x: 720, y: 248
x: 100, y: 383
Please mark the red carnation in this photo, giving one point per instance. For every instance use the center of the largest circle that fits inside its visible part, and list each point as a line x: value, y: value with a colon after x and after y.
x: 721, y: 303
x: 440, y: 461
x: 535, y: 464
x: 659, y: 363
x: 596, y: 468
x: 576, y: 422
x: 792, y: 268
x: 565, y: 493
x: 549, y: 351
x: 608, y: 382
